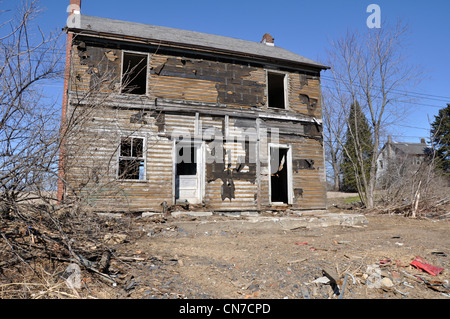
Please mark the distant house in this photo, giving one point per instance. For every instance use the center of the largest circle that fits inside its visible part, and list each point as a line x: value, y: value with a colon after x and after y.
x: 400, y: 155
x: 173, y: 116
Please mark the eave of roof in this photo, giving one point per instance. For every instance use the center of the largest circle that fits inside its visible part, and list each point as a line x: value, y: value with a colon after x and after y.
x: 189, y: 39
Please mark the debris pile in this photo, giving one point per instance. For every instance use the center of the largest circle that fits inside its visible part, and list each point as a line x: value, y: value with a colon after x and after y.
x: 386, y: 277
x: 210, y: 257
x: 64, y: 256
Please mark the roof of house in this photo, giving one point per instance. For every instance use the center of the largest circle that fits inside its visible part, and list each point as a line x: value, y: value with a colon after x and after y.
x: 411, y: 148
x: 199, y: 40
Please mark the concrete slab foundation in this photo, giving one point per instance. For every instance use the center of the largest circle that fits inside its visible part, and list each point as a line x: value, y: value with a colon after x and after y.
x: 254, y: 221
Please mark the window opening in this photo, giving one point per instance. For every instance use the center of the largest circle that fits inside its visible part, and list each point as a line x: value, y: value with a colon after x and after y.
x: 134, y: 73
x: 276, y: 90
x: 131, y: 158
x: 186, y: 160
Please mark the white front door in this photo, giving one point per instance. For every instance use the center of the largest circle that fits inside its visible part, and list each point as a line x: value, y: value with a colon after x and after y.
x: 188, y: 173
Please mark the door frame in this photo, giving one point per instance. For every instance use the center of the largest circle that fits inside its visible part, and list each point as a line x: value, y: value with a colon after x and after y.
x: 200, y: 147
x: 290, y: 189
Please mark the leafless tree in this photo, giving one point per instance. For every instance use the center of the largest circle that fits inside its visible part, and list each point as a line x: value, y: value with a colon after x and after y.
x: 31, y: 138
x: 29, y: 60
x: 411, y: 184
x: 371, y: 69
x: 335, y: 110
x: 94, y: 97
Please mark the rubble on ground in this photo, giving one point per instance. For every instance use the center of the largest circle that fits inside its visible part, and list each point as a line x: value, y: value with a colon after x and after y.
x: 218, y: 256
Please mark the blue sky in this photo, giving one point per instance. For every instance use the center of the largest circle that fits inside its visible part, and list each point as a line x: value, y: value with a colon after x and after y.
x: 304, y: 27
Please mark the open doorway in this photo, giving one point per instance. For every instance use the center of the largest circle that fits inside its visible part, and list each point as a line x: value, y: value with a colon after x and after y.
x: 188, y: 173
x: 280, y: 175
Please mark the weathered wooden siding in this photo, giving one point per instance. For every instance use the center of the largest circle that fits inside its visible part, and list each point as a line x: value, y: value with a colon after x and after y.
x: 179, y: 87
x: 95, y: 69
x: 205, y: 81
x: 199, y: 80
x: 309, y: 183
x: 308, y: 168
x: 238, y: 183
x: 232, y: 183
x: 304, y: 94
x: 93, y: 150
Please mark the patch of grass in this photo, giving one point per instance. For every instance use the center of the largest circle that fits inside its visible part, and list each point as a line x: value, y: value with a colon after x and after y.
x: 351, y: 200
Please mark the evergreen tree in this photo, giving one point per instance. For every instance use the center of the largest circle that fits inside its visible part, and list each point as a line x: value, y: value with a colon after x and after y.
x: 358, y: 148
x: 440, y: 131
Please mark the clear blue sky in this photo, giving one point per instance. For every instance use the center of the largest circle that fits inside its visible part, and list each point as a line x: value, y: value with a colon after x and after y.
x: 304, y: 27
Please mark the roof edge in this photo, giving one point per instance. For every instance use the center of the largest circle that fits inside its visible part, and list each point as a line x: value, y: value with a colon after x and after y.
x: 88, y: 30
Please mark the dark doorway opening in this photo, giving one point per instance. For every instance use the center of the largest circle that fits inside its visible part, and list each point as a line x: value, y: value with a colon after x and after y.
x: 279, y: 174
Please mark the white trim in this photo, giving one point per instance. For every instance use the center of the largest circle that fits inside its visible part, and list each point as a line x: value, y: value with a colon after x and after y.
x: 286, y: 91
x: 144, y: 156
x: 174, y: 171
x: 285, y: 88
x: 289, y: 172
x: 201, y: 168
x: 147, y: 76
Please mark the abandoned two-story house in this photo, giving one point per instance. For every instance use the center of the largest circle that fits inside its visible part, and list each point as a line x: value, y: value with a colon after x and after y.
x: 396, y: 157
x: 155, y: 115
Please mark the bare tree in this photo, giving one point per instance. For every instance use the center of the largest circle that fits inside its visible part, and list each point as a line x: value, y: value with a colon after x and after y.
x: 414, y: 184
x: 370, y: 68
x: 30, y: 141
x: 334, y: 118
x: 91, y: 163
x: 29, y: 59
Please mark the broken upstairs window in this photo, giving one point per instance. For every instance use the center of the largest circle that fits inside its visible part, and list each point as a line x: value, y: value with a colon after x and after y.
x: 276, y: 90
x: 131, y: 159
x: 134, y: 73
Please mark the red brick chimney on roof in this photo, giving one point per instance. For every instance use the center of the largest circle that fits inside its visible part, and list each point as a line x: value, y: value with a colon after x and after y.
x: 268, y: 39
x: 74, y: 6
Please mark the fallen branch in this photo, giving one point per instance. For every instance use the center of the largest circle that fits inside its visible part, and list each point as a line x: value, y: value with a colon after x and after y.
x: 15, y: 252
x: 125, y: 258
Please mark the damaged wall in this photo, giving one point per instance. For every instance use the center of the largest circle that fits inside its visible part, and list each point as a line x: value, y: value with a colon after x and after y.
x: 235, y: 174
x: 216, y: 81
x: 238, y: 182
x: 224, y: 83
x: 95, y: 68
x: 92, y: 161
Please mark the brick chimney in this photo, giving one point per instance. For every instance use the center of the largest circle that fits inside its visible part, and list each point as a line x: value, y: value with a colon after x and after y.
x: 268, y: 39
x: 389, y: 147
x: 73, y: 8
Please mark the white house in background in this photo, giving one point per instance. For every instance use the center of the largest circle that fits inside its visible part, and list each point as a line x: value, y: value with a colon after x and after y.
x: 400, y: 153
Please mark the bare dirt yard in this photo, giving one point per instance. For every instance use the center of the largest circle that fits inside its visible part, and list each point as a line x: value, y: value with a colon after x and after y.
x: 207, y: 258
x: 223, y: 257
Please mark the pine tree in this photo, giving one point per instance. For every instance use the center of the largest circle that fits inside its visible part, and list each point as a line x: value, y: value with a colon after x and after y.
x: 357, y: 155
x: 440, y: 132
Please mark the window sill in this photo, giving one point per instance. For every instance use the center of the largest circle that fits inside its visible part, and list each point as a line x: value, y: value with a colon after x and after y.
x: 132, y: 180
x: 133, y: 94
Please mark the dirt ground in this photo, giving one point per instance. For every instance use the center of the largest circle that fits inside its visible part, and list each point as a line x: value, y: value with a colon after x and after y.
x: 223, y: 257
x: 203, y: 257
